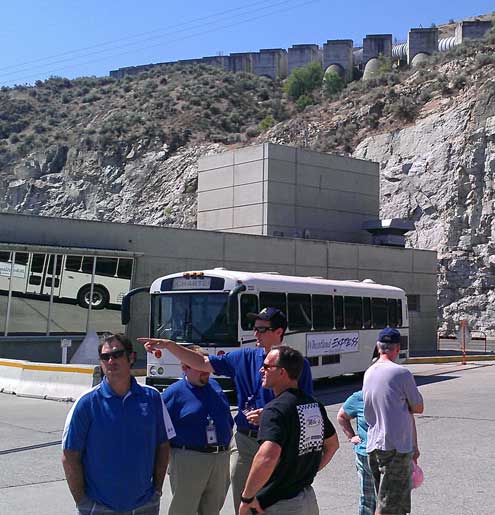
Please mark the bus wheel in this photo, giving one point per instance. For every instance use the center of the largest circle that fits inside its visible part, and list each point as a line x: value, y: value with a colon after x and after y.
x: 100, y: 297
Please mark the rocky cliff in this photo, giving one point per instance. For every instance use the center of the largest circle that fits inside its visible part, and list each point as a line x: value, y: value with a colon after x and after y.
x: 432, y: 129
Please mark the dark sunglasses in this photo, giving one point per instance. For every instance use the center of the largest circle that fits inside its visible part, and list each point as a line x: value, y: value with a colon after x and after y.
x: 116, y: 354
x: 266, y: 366
x: 262, y: 330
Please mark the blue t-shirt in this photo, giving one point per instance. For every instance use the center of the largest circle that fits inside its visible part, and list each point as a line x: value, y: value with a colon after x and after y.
x: 243, y: 367
x: 354, y: 407
x: 190, y: 406
x: 118, y: 438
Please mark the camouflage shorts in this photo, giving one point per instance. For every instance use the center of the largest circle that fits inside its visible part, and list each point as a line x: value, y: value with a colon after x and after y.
x: 392, y: 475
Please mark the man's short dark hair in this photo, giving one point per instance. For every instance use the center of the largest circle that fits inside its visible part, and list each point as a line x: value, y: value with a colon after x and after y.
x: 122, y: 339
x: 291, y: 360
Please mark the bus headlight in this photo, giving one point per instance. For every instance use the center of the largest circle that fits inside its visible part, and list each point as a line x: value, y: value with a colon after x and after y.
x: 160, y: 371
x: 152, y: 371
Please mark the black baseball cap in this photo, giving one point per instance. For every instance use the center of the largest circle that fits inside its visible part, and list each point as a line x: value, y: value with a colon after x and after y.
x: 273, y: 315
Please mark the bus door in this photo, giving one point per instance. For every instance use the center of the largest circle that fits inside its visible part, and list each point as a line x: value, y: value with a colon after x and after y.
x: 42, y: 274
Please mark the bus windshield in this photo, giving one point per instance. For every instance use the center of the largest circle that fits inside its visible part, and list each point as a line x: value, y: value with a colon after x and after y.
x: 199, y: 318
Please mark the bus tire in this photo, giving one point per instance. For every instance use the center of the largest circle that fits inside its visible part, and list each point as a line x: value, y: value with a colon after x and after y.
x: 100, y: 297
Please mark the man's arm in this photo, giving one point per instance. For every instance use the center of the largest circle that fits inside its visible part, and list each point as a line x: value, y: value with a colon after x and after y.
x: 330, y: 446
x: 161, y: 463
x: 417, y: 408
x: 264, y: 464
x: 344, y: 420
x: 183, y: 354
x: 74, y: 473
x: 416, y: 452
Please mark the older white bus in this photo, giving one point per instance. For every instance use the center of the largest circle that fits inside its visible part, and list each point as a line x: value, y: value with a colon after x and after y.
x: 334, y: 324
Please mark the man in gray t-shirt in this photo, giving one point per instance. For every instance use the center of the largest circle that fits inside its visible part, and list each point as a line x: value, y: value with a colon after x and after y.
x: 391, y: 398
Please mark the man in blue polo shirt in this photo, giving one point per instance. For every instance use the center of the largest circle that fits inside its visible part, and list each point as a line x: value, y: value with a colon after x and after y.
x: 115, y: 441
x: 243, y: 367
x: 199, y: 462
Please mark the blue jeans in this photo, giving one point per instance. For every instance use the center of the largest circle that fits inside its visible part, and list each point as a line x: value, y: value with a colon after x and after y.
x: 367, y: 502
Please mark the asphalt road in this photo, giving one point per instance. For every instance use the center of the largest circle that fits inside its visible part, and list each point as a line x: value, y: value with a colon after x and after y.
x: 456, y: 435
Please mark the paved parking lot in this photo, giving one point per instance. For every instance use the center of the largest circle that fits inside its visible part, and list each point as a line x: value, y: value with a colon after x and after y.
x: 456, y: 434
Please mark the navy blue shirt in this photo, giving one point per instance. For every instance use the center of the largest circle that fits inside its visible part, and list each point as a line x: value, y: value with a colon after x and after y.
x: 118, y: 438
x: 243, y: 367
x: 190, y: 406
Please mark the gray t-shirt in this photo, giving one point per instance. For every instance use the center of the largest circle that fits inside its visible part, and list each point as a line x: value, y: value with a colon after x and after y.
x: 388, y: 390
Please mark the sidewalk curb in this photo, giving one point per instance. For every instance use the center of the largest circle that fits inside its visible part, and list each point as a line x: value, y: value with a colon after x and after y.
x: 424, y: 360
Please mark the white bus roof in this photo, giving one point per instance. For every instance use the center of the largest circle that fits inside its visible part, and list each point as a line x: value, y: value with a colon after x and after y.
x: 273, y: 281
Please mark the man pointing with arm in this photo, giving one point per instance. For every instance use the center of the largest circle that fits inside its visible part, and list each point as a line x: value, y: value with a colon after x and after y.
x: 243, y: 367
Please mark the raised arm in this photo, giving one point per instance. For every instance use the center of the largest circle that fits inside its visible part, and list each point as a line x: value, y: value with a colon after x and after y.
x: 182, y: 353
x: 74, y: 473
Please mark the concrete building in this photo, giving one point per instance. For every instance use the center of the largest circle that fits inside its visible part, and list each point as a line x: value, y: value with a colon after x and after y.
x: 158, y: 251
x: 275, y: 190
x: 421, y: 41
x: 270, y: 62
x: 471, y: 30
x: 375, y: 45
x: 241, y: 62
x: 339, y: 52
x: 301, y: 55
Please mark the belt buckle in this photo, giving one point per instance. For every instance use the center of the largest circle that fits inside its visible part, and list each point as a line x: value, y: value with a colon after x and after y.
x: 216, y: 449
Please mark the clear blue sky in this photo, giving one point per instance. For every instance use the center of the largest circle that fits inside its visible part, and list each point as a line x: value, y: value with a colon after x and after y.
x: 70, y: 38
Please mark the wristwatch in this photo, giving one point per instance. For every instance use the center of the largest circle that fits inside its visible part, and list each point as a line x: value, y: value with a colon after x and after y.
x: 247, y: 500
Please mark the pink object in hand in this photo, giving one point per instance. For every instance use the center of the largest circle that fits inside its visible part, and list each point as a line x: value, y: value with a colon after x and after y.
x: 417, y: 476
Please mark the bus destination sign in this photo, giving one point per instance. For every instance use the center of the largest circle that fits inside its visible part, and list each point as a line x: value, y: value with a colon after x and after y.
x: 192, y: 283
x: 322, y: 344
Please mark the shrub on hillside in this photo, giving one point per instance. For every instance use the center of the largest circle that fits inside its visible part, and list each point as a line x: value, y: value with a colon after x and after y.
x: 333, y: 84
x: 302, y: 81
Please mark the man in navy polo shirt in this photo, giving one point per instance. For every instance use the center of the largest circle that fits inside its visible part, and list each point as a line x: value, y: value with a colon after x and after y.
x: 199, y: 462
x: 243, y: 367
x: 115, y: 441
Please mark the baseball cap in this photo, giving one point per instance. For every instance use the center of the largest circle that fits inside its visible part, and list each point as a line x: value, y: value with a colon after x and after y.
x: 270, y: 314
x: 389, y: 335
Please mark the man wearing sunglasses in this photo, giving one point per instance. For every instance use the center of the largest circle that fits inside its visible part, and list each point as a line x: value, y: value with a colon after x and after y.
x: 115, y: 441
x: 297, y: 440
x: 243, y: 367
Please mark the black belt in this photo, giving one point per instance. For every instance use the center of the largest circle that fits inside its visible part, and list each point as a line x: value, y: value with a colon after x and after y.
x: 252, y: 433
x: 212, y: 449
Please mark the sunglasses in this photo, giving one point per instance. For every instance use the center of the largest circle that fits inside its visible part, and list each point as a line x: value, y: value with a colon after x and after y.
x: 116, y: 354
x: 262, y: 330
x: 265, y: 366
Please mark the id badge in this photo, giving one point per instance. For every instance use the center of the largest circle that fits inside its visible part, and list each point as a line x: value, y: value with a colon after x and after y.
x: 211, y: 434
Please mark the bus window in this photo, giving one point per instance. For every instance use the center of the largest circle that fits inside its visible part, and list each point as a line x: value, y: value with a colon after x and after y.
x: 392, y: 312
x: 299, y: 311
x: 399, y: 313
x: 249, y: 304
x: 73, y: 263
x: 339, y: 312
x: 379, y: 311
x: 366, y: 313
x: 106, y: 266
x: 322, y: 312
x: 124, y: 270
x: 38, y: 263
x: 353, y: 312
x: 273, y: 299
x: 5, y: 257
x: 21, y: 258
x: 58, y: 264
x: 87, y: 265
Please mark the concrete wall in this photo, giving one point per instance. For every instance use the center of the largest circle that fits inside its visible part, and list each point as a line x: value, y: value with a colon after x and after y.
x: 167, y: 250
x: 270, y: 62
x: 275, y: 190
x: 302, y: 55
x: 471, y: 30
x: 375, y: 45
x: 339, y: 51
x: 421, y: 41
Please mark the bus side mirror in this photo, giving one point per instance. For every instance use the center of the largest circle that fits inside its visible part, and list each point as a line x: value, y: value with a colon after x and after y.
x: 125, y: 310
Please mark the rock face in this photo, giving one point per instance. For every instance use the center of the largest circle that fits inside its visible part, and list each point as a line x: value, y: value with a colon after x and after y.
x: 148, y: 187
x: 439, y: 173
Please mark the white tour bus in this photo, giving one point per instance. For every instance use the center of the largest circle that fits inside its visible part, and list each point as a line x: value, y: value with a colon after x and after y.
x: 34, y: 273
x: 334, y: 324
